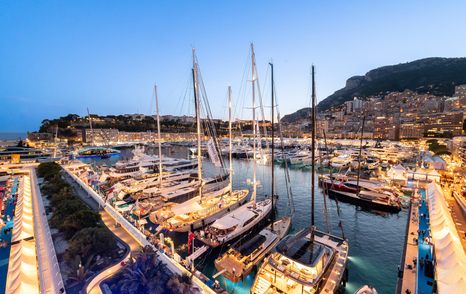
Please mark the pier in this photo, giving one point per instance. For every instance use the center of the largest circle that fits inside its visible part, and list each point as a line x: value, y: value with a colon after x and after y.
x: 408, y: 266
x: 434, y: 259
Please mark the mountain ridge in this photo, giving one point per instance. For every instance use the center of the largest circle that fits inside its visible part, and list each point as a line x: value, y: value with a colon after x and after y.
x: 435, y: 75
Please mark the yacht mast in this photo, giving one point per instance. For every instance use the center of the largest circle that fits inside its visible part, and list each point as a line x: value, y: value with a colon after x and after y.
x: 198, y: 121
x: 358, y: 189
x: 273, y: 144
x: 230, y: 146
x: 158, y: 134
x: 55, y: 142
x: 90, y: 124
x: 313, y: 112
x: 253, y: 63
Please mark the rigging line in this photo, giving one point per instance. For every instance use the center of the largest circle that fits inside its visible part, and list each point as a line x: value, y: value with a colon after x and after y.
x: 329, y: 230
x: 211, y: 126
x: 187, y: 89
x: 289, y: 191
x: 243, y: 84
x: 340, y: 223
x: 261, y: 104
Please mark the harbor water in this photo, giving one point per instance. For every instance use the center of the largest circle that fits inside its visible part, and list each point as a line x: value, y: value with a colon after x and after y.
x: 376, y: 239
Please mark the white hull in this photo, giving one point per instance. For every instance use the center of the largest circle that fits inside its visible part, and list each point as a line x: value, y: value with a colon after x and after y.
x: 261, y: 208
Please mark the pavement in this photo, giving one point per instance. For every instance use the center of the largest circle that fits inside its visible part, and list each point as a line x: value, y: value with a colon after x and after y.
x: 424, y: 282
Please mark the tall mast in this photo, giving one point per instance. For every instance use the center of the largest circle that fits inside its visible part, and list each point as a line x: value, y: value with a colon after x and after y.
x: 198, y: 121
x: 159, y: 139
x: 230, y: 146
x: 55, y: 142
x: 313, y: 111
x: 273, y: 144
x: 90, y: 124
x: 253, y: 63
x: 358, y: 189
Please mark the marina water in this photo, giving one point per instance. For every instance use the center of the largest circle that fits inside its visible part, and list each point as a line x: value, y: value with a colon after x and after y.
x: 376, y: 238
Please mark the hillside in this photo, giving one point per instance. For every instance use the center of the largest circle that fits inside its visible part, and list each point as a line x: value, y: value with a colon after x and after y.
x: 434, y: 75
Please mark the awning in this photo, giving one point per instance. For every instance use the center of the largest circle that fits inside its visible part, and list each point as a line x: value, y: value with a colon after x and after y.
x: 449, y: 253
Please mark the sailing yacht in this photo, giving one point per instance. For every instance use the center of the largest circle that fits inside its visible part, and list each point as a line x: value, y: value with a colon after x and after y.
x: 311, y: 261
x: 235, y: 223
x: 244, y: 255
x: 204, y: 208
x: 246, y: 217
x: 363, y: 193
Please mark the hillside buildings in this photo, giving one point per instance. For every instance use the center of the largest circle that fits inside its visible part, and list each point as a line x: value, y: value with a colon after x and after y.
x: 397, y: 115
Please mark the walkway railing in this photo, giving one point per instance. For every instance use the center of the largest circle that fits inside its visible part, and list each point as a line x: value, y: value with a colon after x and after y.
x: 172, y: 265
x: 49, y: 270
x: 460, y: 200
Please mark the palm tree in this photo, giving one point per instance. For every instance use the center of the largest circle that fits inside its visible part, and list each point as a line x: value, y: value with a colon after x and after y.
x: 79, y: 272
x: 182, y: 285
x: 147, y: 274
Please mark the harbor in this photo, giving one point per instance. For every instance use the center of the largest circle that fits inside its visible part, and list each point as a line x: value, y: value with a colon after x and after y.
x: 360, y: 225
x: 240, y: 147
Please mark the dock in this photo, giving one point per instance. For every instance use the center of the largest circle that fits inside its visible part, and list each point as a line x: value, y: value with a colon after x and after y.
x: 408, y: 268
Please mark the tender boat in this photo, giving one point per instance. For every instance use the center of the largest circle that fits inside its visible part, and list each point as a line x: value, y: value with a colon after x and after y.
x: 366, y: 289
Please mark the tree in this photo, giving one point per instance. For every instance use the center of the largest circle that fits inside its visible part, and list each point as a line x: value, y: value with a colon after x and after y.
x: 146, y: 274
x: 62, y: 209
x: 90, y: 242
x: 47, y: 170
x: 79, y: 271
x: 79, y: 220
x: 181, y: 285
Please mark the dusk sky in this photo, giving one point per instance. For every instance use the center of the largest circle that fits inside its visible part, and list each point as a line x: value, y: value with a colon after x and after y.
x: 60, y: 57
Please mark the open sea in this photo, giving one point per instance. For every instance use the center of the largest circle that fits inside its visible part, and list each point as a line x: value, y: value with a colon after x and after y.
x: 376, y: 239
x: 12, y: 136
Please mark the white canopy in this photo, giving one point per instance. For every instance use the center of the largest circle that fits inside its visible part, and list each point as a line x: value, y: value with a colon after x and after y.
x: 22, y: 274
x: 449, y: 253
x: 236, y: 217
x: 192, y: 205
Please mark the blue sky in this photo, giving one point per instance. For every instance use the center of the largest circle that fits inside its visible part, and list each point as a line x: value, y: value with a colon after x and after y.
x: 59, y: 57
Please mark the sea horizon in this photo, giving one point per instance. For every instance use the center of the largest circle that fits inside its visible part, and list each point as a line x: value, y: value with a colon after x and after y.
x: 9, y: 136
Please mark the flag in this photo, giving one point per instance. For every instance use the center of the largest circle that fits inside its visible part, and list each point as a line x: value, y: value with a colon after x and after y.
x: 190, y: 240
x: 213, y: 154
